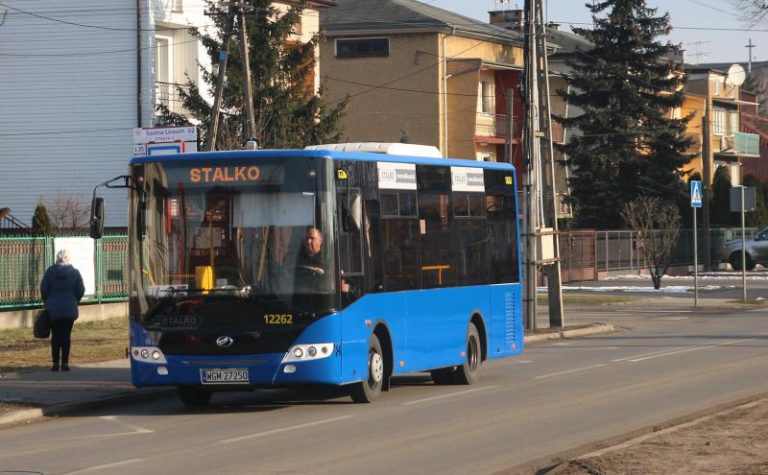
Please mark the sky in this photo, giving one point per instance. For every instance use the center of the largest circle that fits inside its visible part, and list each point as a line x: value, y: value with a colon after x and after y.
x: 710, y: 31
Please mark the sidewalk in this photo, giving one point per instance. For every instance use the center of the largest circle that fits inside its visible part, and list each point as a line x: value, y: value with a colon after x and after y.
x: 36, y: 394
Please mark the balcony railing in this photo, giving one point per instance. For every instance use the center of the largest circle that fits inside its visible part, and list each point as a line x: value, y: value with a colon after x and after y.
x: 167, y: 94
x: 491, y: 125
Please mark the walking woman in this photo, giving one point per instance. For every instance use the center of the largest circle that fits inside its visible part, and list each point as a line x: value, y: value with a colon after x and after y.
x: 61, y: 288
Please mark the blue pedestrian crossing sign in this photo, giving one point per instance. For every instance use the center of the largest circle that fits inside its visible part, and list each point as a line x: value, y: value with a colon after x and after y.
x: 695, y: 194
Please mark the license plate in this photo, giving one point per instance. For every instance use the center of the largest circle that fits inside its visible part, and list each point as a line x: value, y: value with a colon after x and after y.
x: 224, y: 375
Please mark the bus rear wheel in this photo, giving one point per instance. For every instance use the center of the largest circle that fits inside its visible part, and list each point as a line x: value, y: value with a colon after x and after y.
x: 370, y: 388
x: 469, y: 372
x: 194, y: 397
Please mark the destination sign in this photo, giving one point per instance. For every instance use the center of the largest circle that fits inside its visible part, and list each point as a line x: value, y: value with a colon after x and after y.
x: 230, y: 174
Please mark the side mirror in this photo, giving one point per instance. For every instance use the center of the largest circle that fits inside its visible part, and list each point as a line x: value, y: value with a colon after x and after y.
x: 97, y: 218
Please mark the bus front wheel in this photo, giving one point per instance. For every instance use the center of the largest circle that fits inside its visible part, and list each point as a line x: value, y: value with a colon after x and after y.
x: 469, y: 372
x: 194, y: 397
x: 370, y: 388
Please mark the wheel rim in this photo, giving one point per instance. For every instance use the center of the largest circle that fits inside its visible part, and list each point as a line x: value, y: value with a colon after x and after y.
x: 376, y: 370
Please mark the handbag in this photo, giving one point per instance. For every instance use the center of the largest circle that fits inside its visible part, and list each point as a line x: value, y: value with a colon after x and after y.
x: 41, y: 327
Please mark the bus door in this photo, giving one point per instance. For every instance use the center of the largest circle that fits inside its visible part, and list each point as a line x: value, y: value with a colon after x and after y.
x: 351, y: 225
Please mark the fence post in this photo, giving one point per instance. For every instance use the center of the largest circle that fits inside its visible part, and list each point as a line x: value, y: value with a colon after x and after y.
x: 99, y: 277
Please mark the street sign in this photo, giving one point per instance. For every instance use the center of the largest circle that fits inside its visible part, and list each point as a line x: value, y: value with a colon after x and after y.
x: 695, y: 194
x: 749, y: 199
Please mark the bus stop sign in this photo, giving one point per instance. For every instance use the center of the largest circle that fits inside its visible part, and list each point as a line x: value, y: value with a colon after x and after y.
x: 695, y: 194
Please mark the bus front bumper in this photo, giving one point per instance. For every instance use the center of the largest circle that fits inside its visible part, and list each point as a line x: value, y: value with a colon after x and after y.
x: 247, y: 370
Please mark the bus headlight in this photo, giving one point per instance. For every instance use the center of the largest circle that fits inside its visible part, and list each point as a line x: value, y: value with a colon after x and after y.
x: 314, y: 351
x: 148, y: 354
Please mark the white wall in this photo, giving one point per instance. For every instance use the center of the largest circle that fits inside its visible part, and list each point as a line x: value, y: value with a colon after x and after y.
x: 68, y: 76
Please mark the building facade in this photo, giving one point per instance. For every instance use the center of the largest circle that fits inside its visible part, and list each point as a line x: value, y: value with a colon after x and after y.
x: 78, y: 77
x: 420, y: 74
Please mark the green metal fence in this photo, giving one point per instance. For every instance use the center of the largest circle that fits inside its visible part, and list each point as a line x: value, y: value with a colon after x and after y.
x: 23, y: 261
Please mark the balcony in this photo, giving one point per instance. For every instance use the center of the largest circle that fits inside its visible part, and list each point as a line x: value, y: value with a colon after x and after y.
x: 167, y: 94
x: 740, y: 144
x: 490, y: 125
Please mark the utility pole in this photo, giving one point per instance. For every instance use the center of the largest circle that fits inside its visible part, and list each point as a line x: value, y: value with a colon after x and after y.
x: 548, y: 184
x: 540, y: 191
x: 706, y: 171
x: 749, y: 61
x: 530, y: 156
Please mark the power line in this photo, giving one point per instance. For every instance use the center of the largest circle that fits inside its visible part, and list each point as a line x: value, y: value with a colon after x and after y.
x: 97, y: 27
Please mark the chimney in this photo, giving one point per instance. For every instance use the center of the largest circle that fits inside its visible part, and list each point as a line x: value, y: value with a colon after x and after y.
x: 509, y: 19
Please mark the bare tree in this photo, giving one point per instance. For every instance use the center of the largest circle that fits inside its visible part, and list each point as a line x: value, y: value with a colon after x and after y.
x: 751, y: 12
x: 657, y: 224
x: 68, y: 212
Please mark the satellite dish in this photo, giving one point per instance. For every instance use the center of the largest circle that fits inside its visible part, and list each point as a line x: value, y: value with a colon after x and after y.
x: 736, y: 75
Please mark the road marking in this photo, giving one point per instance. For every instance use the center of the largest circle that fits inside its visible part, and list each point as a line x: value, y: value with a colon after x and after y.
x: 670, y: 353
x: 284, y: 429
x: 659, y: 354
x: 576, y: 370
x: 98, y: 468
x: 444, y: 396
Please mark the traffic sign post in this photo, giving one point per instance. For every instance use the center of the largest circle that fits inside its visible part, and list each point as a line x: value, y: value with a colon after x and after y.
x: 695, y: 204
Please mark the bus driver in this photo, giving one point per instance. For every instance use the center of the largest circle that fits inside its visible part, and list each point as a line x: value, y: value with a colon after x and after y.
x: 311, y: 258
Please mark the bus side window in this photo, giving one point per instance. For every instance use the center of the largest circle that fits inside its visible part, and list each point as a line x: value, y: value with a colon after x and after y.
x: 502, y: 232
x: 399, y: 240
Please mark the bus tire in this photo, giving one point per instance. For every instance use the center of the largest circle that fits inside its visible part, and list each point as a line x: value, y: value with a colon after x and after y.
x: 370, y: 388
x: 194, y: 397
x: 469, y: 371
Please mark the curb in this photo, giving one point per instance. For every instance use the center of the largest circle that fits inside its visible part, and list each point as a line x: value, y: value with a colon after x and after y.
x: 596, y: 328
x: 28, y: 415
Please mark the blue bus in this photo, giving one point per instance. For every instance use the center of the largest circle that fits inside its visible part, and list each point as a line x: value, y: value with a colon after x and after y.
x: 266, y: 268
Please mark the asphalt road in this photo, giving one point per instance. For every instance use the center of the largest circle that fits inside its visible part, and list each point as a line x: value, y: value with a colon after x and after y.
x: 555, y: 397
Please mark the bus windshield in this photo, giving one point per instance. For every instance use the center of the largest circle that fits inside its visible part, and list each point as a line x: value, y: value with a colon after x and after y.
x: 242, y: 230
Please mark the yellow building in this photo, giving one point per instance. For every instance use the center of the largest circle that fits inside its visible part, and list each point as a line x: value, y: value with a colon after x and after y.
x: 713, y: 95
x: 413, y: 72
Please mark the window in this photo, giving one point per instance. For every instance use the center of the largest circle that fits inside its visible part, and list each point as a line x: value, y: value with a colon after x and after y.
x: 502, y: 226
x: 362, y: 48
x: 398, y: 204
x: 718, y: 121
x: 486, y: 100
x: 437, y: 259
x: 733, y: 122
x: 468, y: 205
x: 472, y: 243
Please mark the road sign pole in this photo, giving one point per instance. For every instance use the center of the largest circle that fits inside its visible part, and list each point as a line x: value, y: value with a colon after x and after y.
x: 695, y: 260
x: 696, y: 202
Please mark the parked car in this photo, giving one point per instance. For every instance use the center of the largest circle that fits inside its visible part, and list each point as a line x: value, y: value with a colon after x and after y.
x: 756, y: 251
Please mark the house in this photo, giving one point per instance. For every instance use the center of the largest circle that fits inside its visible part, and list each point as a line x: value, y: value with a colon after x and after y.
x: 717, y: 90
x: 78, y: 77
x: 416, y: 73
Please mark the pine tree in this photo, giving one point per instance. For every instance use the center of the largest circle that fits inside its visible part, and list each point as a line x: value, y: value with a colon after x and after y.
x: 626, y: 86
x: 287, y: 110
x: 41, y: 222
